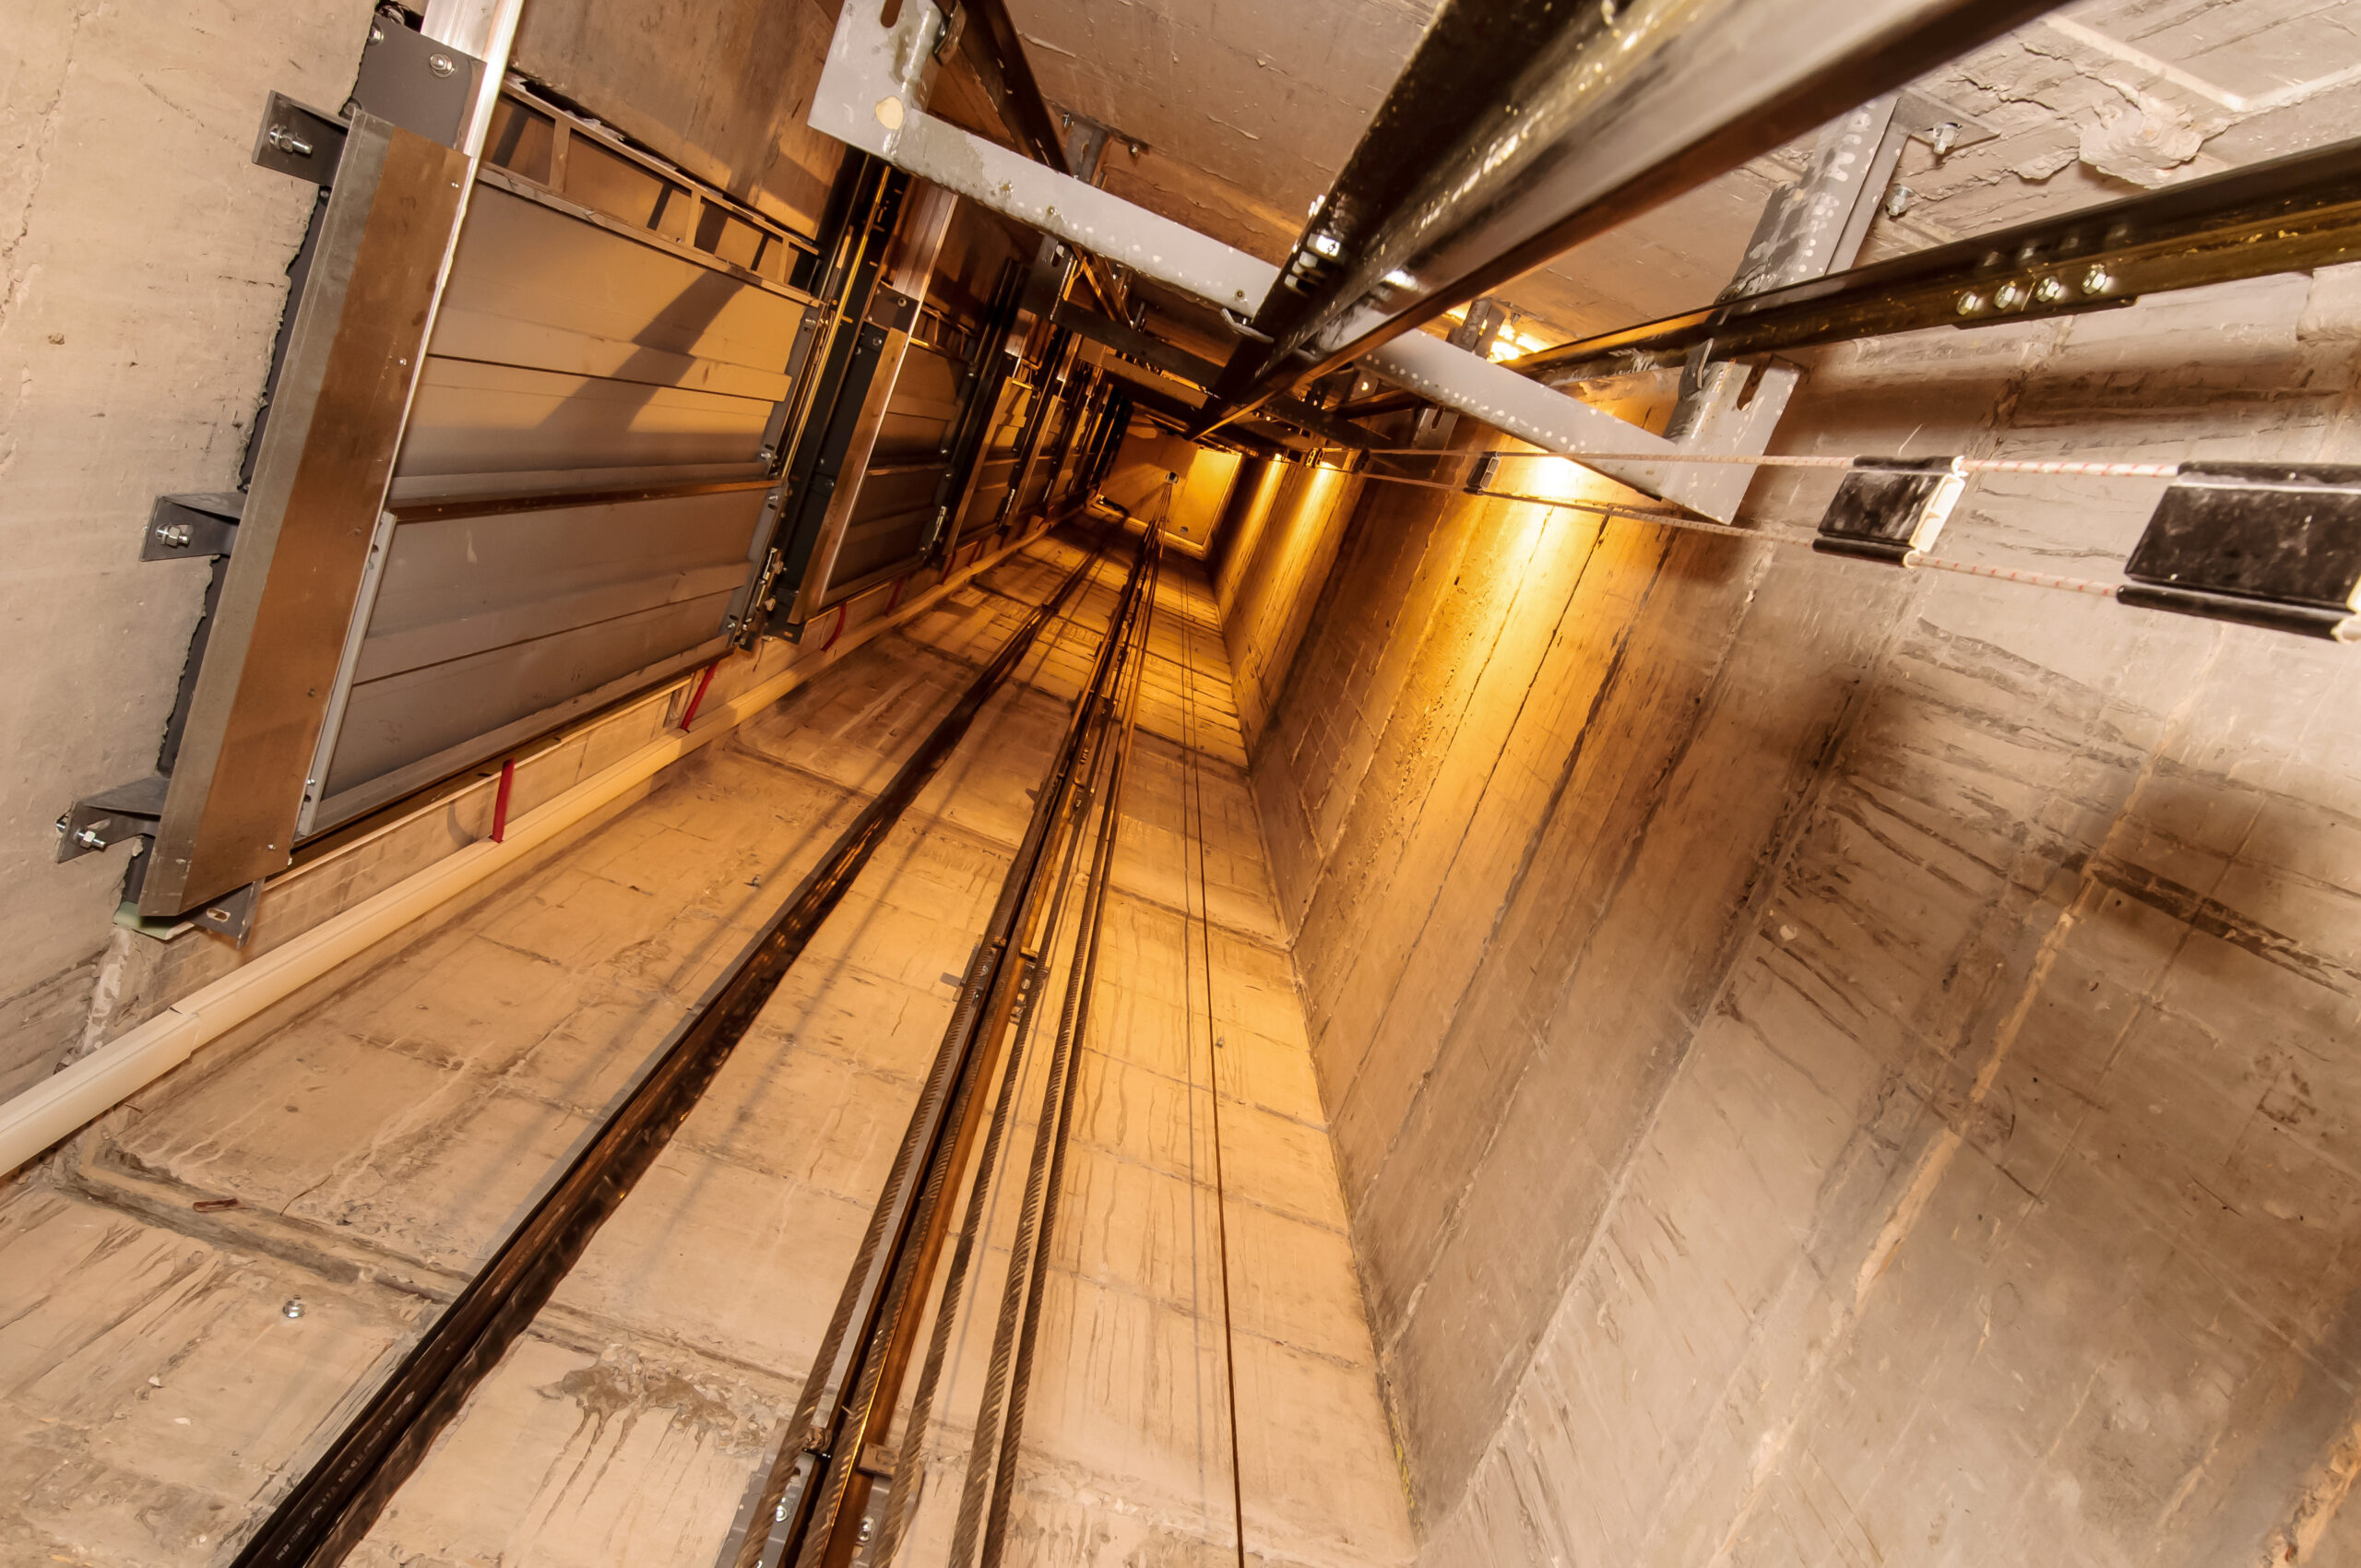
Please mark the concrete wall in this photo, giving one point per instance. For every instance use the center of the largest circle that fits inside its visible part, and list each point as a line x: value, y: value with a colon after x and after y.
x: 1151, y: 458
x: 1832, y: 1064
x: 1279, y: 537
x: 145, y: 265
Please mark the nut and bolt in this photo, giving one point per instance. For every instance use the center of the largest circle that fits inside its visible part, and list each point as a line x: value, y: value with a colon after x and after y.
x: 779, y: 1514
x: 2009, y: 296
x: 2097, y: 280
x: 294, y: 1309
x: 868, y: 1527
x: 1327, y: 246
x: 441, y: 65
x: 1943, y: 137
x: 2049, y: 291
x: 1970, y: 303
x: 174, y: 535
x: 1897, y: 200
x: 89, y: 837
x: 286, y: 140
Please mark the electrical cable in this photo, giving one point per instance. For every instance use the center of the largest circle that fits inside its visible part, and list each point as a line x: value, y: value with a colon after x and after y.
x: 2081, y: 468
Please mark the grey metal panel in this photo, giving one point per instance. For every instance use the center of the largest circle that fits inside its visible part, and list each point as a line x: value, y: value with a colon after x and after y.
x: 483, y: 418
x: 261, y: 696
x: 567, y: 356
x: 481, y: 621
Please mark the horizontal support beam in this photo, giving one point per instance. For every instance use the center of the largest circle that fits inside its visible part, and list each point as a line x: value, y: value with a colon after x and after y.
x: 2287, y: 215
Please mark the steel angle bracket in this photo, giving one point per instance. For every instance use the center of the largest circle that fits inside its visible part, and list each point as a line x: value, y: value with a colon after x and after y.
x: 297, y: 139
x: 2275, y: 545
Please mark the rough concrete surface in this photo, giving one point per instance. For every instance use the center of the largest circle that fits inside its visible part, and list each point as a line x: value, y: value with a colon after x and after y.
x: 156, y: 1395
x: 1830, y: 1064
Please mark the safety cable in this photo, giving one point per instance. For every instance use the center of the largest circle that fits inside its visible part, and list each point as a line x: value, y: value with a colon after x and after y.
x: 2081, y: 468
x: 1671, y: 519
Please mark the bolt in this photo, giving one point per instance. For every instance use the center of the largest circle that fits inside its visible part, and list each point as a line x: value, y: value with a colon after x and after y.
x: 1970, y: 303
x: 2049, y: 291
x: 1943, y: 137
x: 1611, y: 11
x: 779, y: 1514
x: 63, y: 818
x: 1897, y: 200
x: 2009, y: 296
x: 1399, y: 278
x: 174, y: 535
x: 294, y: 1307
x: 441, y: 65
x: 90, y: 837
x: 867, y: 1528
x: 2097, y: 280
x: 1327, y: 246
x: 288, y: 141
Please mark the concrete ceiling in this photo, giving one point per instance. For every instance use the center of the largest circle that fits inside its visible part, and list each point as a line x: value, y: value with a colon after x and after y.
x: 1245, y: 110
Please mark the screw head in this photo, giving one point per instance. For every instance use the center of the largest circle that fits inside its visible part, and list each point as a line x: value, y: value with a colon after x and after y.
x: 1897, y: 200
x: 2097, y: 280
x: 2049, y: 291
x: 441, y: 65
x: 2009, y: 296
x: 294, y: 1309
x: 1970, y: 303
x: 1943, y: 137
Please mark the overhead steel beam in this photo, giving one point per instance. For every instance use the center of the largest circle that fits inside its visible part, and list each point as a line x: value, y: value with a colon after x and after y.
x: 2290, y: 214
x: 1560, y: 122
x: 872, y: 94
x: 1182, y: 365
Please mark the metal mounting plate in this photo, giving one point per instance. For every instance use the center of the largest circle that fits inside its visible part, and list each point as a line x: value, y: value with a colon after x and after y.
x: 300, y: 140
x: 1888, y: 507
x: 2276, y: 545
x: 199, y: 525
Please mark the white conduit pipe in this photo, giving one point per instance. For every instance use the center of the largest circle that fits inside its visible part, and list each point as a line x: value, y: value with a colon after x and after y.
x: 61, y: 1105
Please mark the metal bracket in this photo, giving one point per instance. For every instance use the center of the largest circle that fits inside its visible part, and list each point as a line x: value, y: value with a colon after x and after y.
x: 197, y: 525
x: 1939, y: 124
x: 100, y: 821
x: 418, y: 84
x: 1888, y: 508
x: 2276, y: 545
x: 233, y: 915
x: 300, y: 140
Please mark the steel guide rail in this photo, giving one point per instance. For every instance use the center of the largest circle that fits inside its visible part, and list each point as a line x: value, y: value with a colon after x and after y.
x: 333, y: 1507
x: 810, y: 1507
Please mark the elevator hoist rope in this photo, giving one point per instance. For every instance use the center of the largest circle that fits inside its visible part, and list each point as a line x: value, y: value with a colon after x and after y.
x: 332, y: 1506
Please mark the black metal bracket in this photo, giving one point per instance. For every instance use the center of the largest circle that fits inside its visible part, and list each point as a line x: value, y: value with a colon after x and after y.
x: 185, y: 527
x: 300, y: 140
x: 1888, y: 508
x: 2275, y: 545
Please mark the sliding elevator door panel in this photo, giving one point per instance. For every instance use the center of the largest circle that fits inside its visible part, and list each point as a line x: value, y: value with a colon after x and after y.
x: 580, y: 493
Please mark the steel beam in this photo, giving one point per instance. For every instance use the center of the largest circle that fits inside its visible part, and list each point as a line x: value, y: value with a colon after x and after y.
x: 1586, y: 116
x: 2290, y: 214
